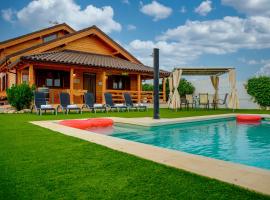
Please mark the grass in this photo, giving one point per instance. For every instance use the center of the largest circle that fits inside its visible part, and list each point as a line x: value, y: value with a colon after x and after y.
x: 36, y: 163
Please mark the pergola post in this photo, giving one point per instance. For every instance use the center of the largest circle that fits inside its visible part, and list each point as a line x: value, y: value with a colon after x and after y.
x: 31, y: 75
x: 164, y: 89
x: 103, y: 89
x: 139, y: 87
x: 71, y: 85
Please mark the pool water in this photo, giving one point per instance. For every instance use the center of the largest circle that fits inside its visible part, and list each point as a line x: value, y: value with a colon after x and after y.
x: 222, y: 139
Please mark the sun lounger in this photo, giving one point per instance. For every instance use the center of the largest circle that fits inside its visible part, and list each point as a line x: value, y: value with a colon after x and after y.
x: 90, y: 104
x: 65, y: 105
x: 110, y: 105
x: 129, y: 103
x: 40, y: 104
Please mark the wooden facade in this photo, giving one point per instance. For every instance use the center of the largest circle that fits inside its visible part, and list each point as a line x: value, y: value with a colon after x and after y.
x: 73, y: 78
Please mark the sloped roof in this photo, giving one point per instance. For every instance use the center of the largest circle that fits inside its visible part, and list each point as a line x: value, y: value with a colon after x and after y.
x: 38, y: 31
x: 62, y: 39
x: 89, y: 60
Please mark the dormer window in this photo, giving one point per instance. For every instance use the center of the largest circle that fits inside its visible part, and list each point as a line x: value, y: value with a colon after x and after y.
x: 49, y: 37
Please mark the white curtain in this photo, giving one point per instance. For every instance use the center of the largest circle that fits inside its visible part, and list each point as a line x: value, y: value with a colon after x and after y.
x: 215, y: 83
x: 233, y: 98
x: 171, y: 91
x: 176, y: 97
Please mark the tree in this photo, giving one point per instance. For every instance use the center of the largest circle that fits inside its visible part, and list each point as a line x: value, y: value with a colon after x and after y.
x: 259, y: 89
x: 20, y: 96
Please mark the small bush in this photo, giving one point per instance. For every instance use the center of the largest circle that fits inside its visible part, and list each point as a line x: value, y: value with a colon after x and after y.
x: 20, y: 96
x: 259, y: 89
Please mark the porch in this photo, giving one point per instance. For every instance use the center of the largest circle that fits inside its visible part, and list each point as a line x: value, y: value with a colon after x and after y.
x: 78, y: 80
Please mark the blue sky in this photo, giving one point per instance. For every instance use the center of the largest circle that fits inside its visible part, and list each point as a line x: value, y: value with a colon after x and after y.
x: 188, y: 32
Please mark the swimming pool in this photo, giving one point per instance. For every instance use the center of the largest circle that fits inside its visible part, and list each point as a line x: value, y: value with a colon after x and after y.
x: 222, y: 139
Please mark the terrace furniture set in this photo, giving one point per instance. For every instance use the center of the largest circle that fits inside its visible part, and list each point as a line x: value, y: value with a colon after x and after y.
x: 40, y: 104
x: 202, y: 100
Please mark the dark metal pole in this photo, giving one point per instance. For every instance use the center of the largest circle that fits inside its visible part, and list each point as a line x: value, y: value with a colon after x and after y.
x: 156, y: 83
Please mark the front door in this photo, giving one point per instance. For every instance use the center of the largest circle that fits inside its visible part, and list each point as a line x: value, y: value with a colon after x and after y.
x: 89, y: 83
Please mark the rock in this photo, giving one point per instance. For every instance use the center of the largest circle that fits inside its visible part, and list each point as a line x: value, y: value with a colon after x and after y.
x: 27, y: 110
x: 21, y: 111
x: 11, y: 111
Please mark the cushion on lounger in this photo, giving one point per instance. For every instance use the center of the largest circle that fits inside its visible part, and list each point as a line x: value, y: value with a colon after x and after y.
x: 46, y: 106
x: 98, y: 105
x: 72, y: 106
x: 119, y: 105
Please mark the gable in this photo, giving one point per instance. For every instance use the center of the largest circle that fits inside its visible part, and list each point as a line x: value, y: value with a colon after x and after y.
x: 90, y: 44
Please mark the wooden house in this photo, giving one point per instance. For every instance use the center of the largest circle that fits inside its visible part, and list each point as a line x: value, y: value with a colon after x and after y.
x: 62, y: 59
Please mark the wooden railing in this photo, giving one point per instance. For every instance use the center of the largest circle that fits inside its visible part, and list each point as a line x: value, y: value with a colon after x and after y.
x: 146, y: 96
x: 54, y: 95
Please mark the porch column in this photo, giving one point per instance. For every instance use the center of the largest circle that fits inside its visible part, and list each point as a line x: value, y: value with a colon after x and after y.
x: 103, y: 89
x: 71, y: 85
x: 139, y: 88
x: 164, y: 89
x: 19, y: 76
x: 31, y: 75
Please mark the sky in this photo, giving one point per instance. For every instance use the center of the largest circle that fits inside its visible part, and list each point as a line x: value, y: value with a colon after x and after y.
x: 189, y: 33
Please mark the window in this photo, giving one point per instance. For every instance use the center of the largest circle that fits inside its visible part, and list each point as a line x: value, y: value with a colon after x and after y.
x: 117, y: 82
x: 25, y: 78
x: 52, y: 78
x: 49, y: 37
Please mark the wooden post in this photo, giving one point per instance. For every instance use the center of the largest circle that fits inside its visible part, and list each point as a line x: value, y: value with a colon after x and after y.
x: 19, y: 76
x: 164, y: 89
x: 103, y: 90
x: 139, y: 87
x: 31, y: 75
x: 71, y: 85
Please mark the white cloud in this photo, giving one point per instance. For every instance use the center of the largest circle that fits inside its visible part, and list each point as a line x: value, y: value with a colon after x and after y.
x: 156, y: 10
x: 38, y: 14
x: 204, y: 8
x: 8, y: 14
x: 131, y: 27
x: 250, y: 7
x: 183, y: 9
x: 264, y: 71
x: 185, y: 43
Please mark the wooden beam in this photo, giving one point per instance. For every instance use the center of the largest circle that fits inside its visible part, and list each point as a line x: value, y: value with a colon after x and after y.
x: 139, y: 87
x: 164, y: 89
x: 31, y: 75
x: 71, y: 85
x: 103, y: 90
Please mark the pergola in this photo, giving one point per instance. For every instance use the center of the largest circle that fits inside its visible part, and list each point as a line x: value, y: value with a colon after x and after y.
x: 214, y: 73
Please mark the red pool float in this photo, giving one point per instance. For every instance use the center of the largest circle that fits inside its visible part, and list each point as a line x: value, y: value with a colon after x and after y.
x: 248, y: 119
x: 88, y: 123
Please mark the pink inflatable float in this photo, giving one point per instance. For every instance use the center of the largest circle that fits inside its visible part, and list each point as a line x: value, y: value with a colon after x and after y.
x: 88, y: 123
x: 248, y: 119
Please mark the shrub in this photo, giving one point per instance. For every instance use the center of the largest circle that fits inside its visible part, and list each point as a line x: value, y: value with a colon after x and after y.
x: 259, y: 89
x: 20, y: 96
x: 185, y: 87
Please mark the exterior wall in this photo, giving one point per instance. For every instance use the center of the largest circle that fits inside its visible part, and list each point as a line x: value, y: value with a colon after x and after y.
x: 90, y: 44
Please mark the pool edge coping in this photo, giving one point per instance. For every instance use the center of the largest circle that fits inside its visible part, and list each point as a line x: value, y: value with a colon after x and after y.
x: 251, y: 178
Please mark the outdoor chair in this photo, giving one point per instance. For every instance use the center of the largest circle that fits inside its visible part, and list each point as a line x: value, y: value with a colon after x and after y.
x: 221, y: 102
x: 129, y: 103
x: 190, y: 101
x: 65, y: 105
x: 89, y: 103
x: 204, y: 100
x: 40, y: 104
x: 110, y: 105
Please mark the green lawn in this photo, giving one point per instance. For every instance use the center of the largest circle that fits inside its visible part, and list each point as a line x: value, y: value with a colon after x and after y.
x: 36, y: 163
